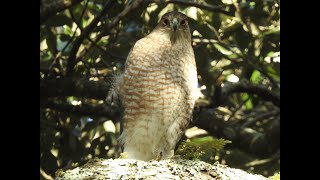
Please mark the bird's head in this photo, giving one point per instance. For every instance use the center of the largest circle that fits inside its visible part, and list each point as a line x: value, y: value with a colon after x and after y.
x: 176, y: 24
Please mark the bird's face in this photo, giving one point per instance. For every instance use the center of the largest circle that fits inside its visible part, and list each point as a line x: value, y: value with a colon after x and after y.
x: 174, y: 22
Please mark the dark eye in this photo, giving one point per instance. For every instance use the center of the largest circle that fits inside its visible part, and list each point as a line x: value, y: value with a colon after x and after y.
x: 183, y: 22
x: 165, y: 22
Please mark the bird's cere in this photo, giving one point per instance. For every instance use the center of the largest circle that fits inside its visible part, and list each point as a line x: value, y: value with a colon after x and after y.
x: 175, y: 24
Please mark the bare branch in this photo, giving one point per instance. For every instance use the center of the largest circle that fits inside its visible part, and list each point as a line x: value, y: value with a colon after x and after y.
x: 221, y: 93
x: 246, y: 139
x: 49, y: 10
x: 73, y: 87
x: 82, y: 110
x: 260, y: 117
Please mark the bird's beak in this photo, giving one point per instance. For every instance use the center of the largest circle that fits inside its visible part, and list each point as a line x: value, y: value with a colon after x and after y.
x: 175, y: 24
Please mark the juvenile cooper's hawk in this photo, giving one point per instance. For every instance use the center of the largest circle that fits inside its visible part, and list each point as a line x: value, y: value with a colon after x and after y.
x: 158, y: 89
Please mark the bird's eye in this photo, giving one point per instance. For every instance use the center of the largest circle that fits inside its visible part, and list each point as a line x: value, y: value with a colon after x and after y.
x: 183, y: 22
x: 165, y: 22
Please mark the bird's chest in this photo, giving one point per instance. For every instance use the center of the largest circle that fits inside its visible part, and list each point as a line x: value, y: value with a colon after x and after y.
x: 159, y: 77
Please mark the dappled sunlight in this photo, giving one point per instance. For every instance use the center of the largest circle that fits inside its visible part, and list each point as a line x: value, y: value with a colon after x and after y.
x: 233, y: 78
x: 109, y: 126
x: 194, y: 132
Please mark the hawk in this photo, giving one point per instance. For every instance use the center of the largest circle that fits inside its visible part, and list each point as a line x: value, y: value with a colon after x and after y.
x: 158, y: 90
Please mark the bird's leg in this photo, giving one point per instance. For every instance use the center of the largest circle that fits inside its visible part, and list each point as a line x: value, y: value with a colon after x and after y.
x: 175, y: 157
x: 159, y: 156
x: 163, y: 149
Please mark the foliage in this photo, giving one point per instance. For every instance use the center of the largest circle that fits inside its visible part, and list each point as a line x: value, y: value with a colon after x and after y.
x: 84, y: 44
x: 198, y: 147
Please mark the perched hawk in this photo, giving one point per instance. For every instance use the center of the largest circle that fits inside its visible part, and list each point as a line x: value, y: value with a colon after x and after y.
x: 158, y: 89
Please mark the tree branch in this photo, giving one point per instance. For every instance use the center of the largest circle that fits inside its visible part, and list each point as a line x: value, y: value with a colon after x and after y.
x: 260, y: 117
x: 247, y: 139
x: 212, y: 8
x: 99, y: 90
x: 82, y: 110
x: 221, y: 93
x: 49, y: 10
x: 73, y: 87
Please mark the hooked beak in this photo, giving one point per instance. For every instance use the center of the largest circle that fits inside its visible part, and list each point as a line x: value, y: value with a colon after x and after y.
x: 174, y: 24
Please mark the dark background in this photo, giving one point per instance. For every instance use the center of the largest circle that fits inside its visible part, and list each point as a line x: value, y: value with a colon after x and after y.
x: 84, y: 44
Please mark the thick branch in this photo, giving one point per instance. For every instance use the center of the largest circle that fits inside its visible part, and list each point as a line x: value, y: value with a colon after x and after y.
x: 212, y: 8
x: 82, y: 110
x: 247, y: 139
x: 49, y: 10
x: 73, y: 87
x: 260, y: 117
x: 222, y: 93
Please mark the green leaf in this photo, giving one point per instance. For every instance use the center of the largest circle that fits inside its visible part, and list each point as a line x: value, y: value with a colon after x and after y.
x: 222, y: 49
x: 248, y: 104
x: 270, y: 54
x: 275, y: 31
x: 273, y: 70
x: 276, y: 176
x: 255, y: 77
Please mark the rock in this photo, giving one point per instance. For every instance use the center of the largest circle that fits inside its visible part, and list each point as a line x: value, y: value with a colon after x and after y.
x: 164, y: 169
